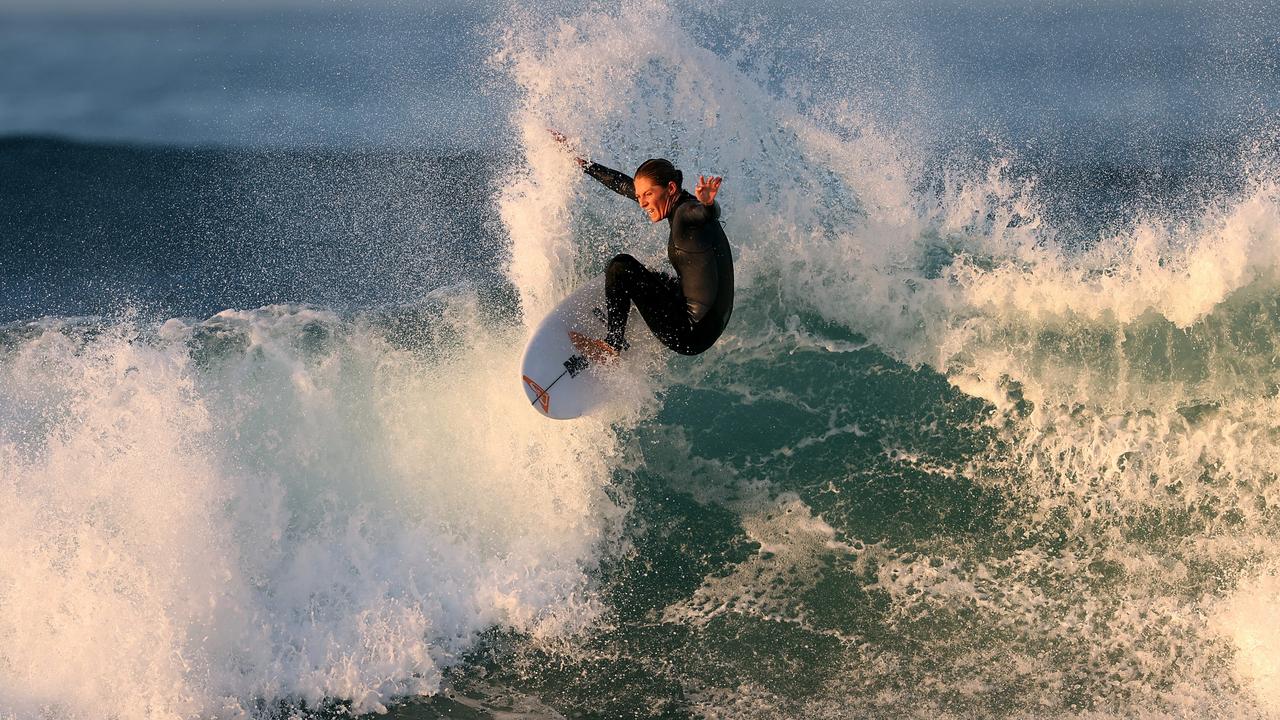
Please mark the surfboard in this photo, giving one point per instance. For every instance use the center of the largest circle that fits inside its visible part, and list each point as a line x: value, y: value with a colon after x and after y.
x: 566, y: 372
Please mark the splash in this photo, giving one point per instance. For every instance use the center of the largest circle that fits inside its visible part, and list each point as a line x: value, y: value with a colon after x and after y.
x: 203, y: 518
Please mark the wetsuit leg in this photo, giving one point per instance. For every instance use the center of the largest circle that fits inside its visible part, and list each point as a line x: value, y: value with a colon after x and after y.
x: 656, y: 295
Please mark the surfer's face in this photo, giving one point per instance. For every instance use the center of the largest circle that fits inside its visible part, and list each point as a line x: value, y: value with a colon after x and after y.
x: 655, y: 199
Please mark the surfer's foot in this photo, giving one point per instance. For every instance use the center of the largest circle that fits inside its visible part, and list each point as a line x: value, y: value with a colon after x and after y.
x: 617, y: 343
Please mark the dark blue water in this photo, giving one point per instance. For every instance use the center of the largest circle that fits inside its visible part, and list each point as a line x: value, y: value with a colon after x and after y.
x: 95, y: 229
x: 401, y: 77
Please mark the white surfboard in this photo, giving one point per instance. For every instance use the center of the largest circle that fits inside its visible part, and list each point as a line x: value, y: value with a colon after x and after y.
x: 563, y: 372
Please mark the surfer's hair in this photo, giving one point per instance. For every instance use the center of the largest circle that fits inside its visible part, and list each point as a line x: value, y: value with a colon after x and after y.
x: 661, y: 172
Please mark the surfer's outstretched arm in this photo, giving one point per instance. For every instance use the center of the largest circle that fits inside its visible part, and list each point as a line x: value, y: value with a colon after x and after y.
x: 618, y: 182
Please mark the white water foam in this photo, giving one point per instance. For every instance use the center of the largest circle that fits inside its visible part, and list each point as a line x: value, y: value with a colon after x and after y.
x: 1250, y: 617
x: 276, y: 504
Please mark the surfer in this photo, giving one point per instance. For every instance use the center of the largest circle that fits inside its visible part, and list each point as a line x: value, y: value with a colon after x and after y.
x: 686, y: 312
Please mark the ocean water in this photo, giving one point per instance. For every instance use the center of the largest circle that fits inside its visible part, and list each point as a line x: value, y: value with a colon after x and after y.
x: 993, y: 431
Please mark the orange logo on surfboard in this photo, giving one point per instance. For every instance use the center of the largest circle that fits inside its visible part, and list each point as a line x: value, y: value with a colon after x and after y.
x: 543, y: 398
x: 595, y: 350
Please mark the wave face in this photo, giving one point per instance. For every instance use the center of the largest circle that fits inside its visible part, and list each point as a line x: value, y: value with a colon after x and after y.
x: 991, y: 432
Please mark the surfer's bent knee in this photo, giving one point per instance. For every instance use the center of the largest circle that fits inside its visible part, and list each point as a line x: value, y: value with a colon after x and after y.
x: 621, y: 263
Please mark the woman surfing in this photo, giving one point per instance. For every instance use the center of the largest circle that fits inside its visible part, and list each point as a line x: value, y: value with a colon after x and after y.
x: 687, y: 312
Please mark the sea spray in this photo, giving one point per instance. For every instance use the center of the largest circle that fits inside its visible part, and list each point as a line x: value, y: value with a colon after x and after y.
x: 277, y: 504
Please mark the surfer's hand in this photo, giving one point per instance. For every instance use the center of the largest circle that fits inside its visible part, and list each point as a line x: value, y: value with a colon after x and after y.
x: 707, y: 189
x: 560, y: 138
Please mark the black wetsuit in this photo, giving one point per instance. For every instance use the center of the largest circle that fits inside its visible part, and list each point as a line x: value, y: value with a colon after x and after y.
x: 686, y: 312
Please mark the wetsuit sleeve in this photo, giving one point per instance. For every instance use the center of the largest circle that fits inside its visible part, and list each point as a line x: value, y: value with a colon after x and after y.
x: 620, y: 183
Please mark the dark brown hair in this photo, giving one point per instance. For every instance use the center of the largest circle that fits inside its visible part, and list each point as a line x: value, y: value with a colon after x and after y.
x: 661, y: 172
